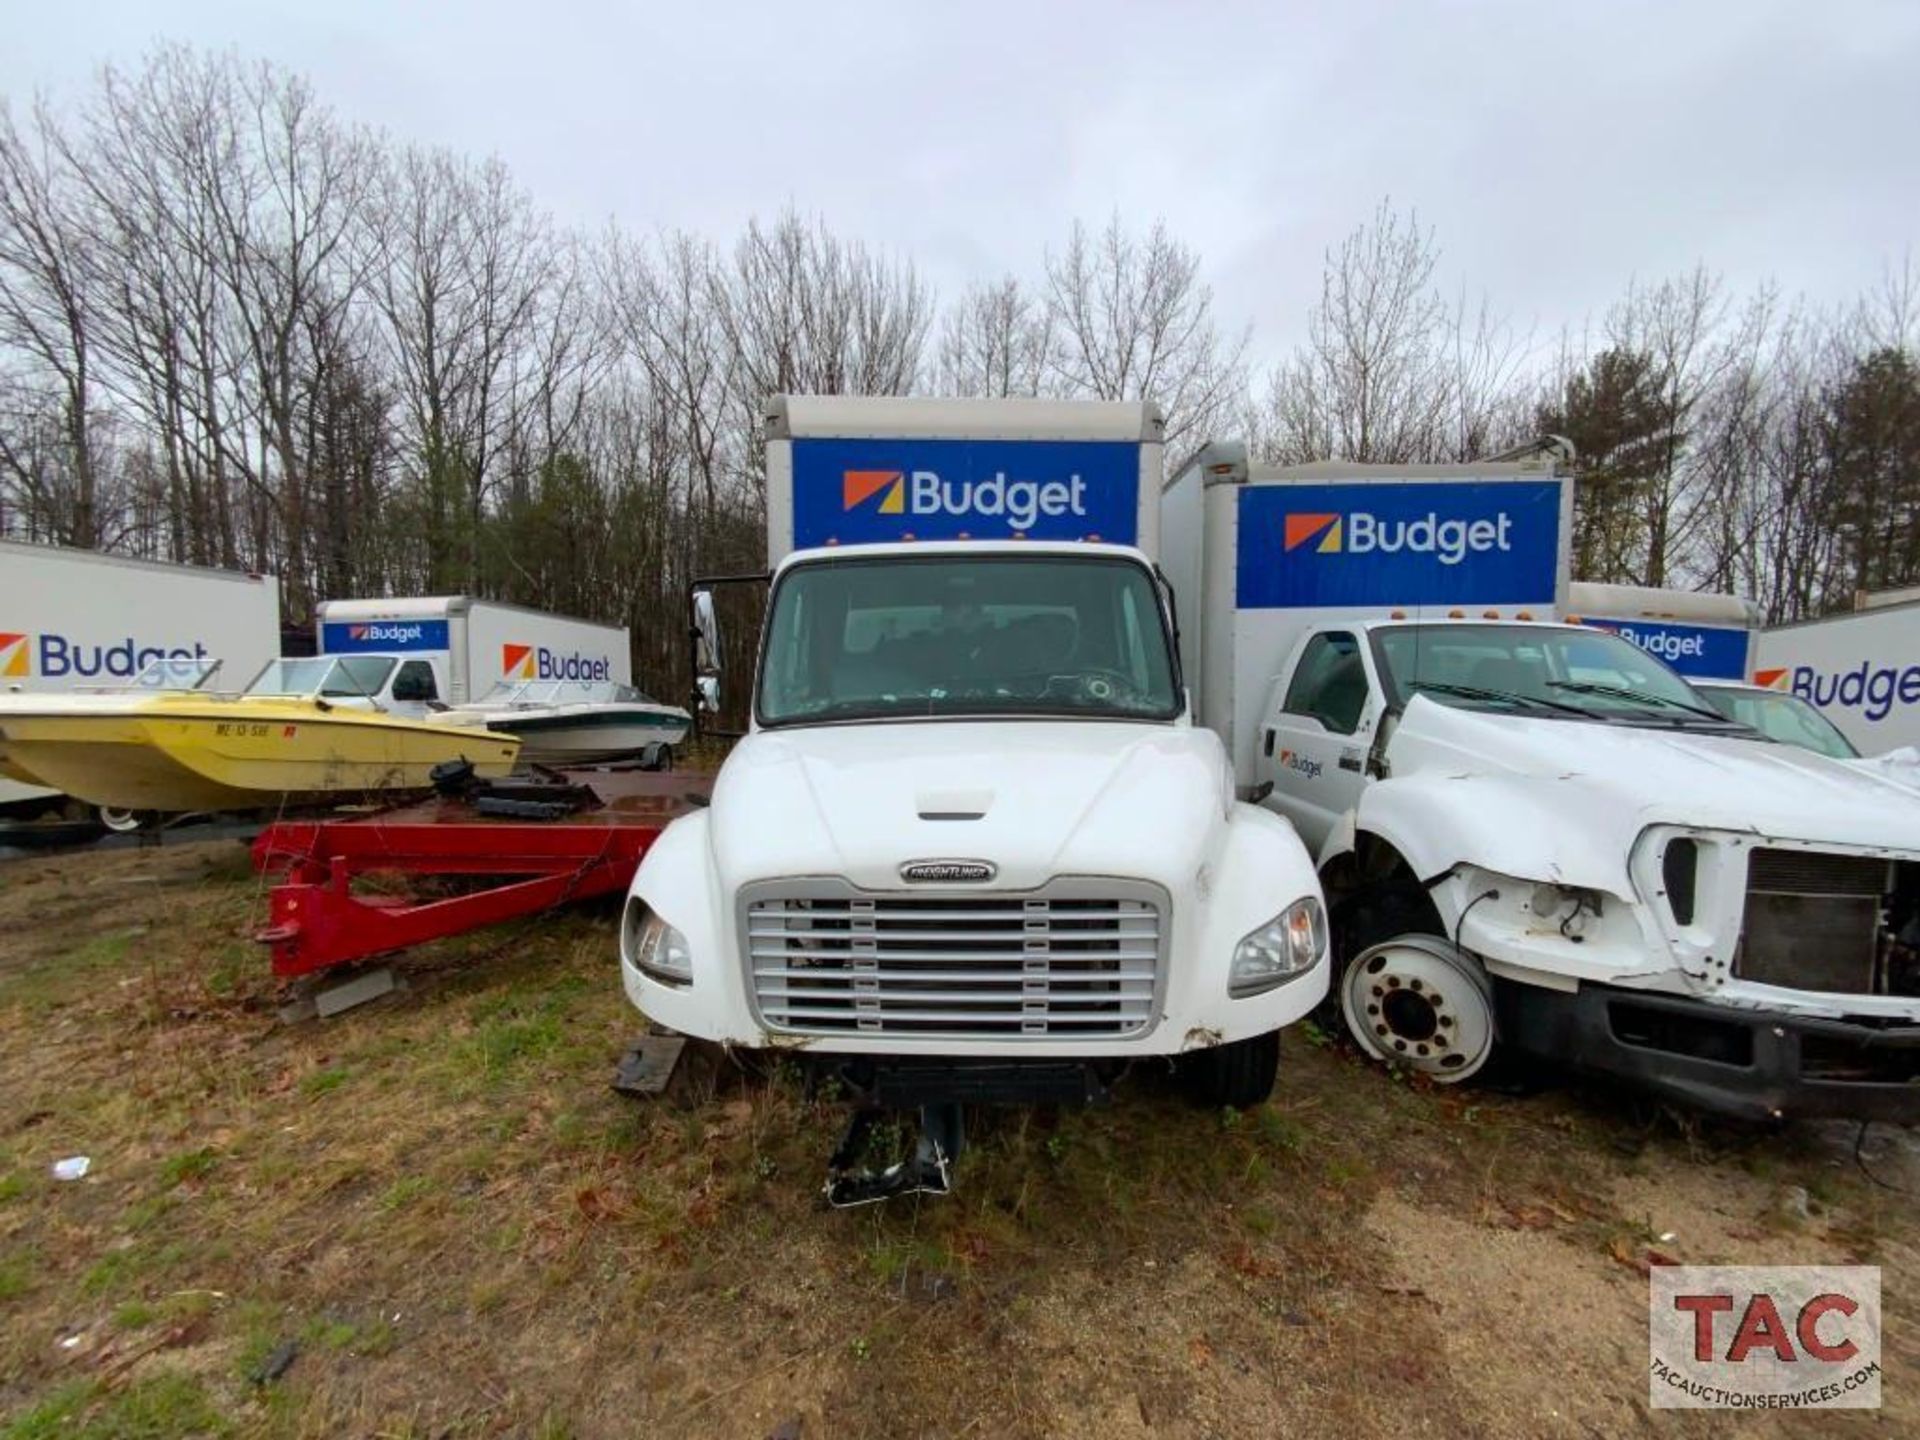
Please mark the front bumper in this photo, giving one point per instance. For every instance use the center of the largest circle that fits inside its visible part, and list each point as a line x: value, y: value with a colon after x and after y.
x: 1750, y: 1064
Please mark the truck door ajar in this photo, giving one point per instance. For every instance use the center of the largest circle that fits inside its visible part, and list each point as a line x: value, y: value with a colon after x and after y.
x: 1314, y: 737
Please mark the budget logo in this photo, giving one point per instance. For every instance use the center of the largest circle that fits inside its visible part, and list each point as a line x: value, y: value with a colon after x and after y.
x: 1361, y: 532
x: 386, y: 633
x: 1300, y: 529
x: 925, y: 493
x: 1771, y: 679
x: 13, y: 655
x: 537, y: 662
x: 1763, y: 1337
x: 1301, y: 765
x: 857, y: 487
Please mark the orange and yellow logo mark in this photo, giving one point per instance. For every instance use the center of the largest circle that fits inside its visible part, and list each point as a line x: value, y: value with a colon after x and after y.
x: 1769, y: 678
x: 516, y: 662
x: 859, y: 486
x: 1301, y: 529
x: 13, y: 655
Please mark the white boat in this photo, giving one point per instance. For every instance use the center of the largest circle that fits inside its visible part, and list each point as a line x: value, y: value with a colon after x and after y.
x: 574, y: 722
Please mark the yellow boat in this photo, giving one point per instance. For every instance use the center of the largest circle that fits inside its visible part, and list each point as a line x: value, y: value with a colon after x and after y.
x: 187, y: 750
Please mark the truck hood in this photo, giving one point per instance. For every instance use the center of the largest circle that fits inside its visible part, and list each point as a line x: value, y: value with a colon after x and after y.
x: 1536, y: 780
x: 1033, y: 798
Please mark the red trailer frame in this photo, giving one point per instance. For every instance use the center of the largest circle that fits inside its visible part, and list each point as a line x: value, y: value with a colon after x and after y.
x: 316, y: 920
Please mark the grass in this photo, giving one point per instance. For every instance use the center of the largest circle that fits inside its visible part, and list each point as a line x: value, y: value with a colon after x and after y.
x: 441, y: 1204
x: 166, y: 1407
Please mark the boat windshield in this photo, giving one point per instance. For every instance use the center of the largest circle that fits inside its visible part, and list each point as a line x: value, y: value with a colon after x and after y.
x: 167, y: 672
x: 562, y: 692
x: 1547, y: 670
x: 949, y: 635
x: 331, y: 677
x: 1781, y: 716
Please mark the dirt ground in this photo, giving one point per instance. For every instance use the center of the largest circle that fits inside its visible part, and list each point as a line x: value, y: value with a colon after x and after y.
x: 431, y: 1216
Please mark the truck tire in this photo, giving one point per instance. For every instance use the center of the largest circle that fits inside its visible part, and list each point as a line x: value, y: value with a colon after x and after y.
x: 1239, y: 1074
x: 1417, y: 1001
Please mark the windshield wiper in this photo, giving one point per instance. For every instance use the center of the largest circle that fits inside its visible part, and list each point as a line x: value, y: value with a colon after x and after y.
x: 1620, y: 692
x: 1477, y: 692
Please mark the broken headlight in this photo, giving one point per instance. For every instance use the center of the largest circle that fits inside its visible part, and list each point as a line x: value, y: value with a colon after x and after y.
x: 1286, y: 946
x: 654, y: 947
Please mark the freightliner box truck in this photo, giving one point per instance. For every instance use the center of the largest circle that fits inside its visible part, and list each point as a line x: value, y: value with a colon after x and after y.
x: 975, y: 845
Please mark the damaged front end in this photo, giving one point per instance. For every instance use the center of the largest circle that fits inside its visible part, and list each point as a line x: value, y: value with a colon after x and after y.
x: 1750, y: 975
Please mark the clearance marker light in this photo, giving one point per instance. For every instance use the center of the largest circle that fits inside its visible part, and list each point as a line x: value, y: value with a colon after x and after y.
x: 1523, y: 614
x: 1456, y: 615
x: 1398, y: 615
x: 1489, y: 614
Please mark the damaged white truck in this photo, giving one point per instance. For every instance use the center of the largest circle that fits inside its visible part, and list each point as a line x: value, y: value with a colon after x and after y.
x: 1532, y: 836
x: 975, y: 846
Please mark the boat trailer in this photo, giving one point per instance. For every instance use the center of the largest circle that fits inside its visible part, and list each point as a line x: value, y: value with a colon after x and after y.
x: 537, y: 853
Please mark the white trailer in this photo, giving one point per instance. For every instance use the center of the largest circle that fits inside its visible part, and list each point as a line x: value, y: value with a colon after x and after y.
x: 1535, y: 837
x: 473, y: 645
x: 1705, y: 635
x: 79, y: 619
x: 1861, y: 669
x: 974, y: 845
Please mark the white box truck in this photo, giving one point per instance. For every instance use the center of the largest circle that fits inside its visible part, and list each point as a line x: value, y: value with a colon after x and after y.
x: 79, y: 619
x: 1860, y: 669
x: 1705, y: 635
x: 974, y: 845
x: 1535, y: 836
x: 472, y: 645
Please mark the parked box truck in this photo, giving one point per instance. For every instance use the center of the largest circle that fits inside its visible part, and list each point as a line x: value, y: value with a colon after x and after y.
x: 974, y: 845
x: 78, y: 619
x: 1536, y: 836
x: 1703, y: 634
x: 1861, y: 670
x: 472, y: 645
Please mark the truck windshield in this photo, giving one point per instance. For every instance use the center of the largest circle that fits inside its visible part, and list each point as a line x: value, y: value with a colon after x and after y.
x: 966, y: 635
x: 1539, y: 669
x: 1782, y: 717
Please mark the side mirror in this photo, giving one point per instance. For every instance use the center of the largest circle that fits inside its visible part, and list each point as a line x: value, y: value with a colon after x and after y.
x: 709, y: 694
x: 706, y: 635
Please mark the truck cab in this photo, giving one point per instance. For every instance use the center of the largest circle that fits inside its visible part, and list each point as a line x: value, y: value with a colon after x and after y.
x: 974, y: 843
x: 399, y: 684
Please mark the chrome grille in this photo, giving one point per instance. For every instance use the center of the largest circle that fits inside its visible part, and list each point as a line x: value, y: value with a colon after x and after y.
x: 1076, y: 959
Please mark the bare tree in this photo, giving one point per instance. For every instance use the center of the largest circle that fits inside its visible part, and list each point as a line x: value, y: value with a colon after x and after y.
x: 999, y: 339
x: 1131, y: 319
x: 1390, y: 370
x: 457, y: 277
x: 47, y: 305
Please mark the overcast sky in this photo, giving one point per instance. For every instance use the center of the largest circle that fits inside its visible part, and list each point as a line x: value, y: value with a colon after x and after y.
x: 1558, y: 150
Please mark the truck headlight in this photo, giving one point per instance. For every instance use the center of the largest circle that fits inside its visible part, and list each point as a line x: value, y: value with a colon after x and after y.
x: 1286, y: 946
x: 654, y: 947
